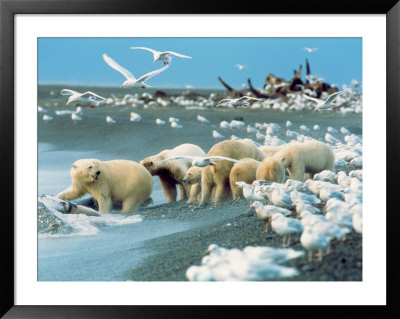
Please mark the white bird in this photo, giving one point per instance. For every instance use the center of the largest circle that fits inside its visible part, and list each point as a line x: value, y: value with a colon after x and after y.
x: 175, y: 125
x: 110, y: 120
x: 288, y: 123
x: 316, y: 127
x: 236, y: 124
x: 87, y: 97
x: 160, y: 122
x: 311, y: 50
x: 173, y: 119
x: 135, y: 117
x: 75, y: 117
x: 278, y: 196
x: 356, y: 162
x: 251, y: 130
x: 241, y: 67
x: 216, y: 134
x: 250, y: 192
x: 326, y: 193
x: 357, y: 221
x: 224, y: 124
x: 344, y: 130
x: 202, y: 119
x: 264, y: 212
x: 327, y: 104
x: 339, y: 218
x: 302, y: 207
x: 131, y: 81
x: 306, y: 198
x: 271, y: 254
x: 292, y: 134
x: 241, y: 101
x: 331, y: 129
x: 312, y: 240
x: 47, y: 117
x: 331, y: 139
x: 41, y: 109
x: 162, y: 55
x: 202, y: 161
x: 285, y: 226
x: 325, y: 175
x: 304, y: 128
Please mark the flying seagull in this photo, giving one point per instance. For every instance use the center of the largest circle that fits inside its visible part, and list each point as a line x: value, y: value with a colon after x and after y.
x: 81, y: 97
x: 311, y: 50
x: 131, y: 80
x: 321, y: 104
x: 162, y: 56
x: 203, y: 161
x: 241, y: 101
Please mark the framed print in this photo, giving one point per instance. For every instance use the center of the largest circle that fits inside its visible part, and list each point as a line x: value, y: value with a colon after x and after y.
x: 172, y: 156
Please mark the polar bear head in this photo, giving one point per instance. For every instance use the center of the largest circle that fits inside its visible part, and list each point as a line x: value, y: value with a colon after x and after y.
x: 193, y: 175
x: 154, y: 165
x: 86, y: 170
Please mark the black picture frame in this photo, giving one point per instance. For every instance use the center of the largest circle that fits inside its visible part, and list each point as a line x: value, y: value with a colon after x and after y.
x: 8, y: 10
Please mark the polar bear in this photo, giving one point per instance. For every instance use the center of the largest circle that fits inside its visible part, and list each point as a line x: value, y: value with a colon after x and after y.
x: 309, y: 157
x: 193, y: 178
x: 215, y: 178
x: 271, y: 150
x: 120, y: 182
x: 271, y: 169
x: 171, y: 173
x: 244, y: 171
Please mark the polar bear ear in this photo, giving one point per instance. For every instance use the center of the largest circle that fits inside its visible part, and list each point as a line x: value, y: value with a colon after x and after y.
x: 74, y: 166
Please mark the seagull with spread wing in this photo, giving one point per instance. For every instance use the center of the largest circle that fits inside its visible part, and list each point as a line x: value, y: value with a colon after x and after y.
x: 241, y: 101
x: 131, y: 81
x: 321, y: 104
x: 87, y: 97
x: 311, y: 50
x: 162, y: 56
x: 202, y: 161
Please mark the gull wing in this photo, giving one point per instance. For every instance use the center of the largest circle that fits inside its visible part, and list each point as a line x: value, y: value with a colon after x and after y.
x: 313, y: 98
x: 224, y: 100
x: 68, y: 92
x: 177, y: 54
x: 152, y: 73
x: 117, y: 67
x: 223, y: 158
x: 94, y: 95
x: 179, y: 157
x: 249, y: 98
x: 155, y: 52
x: 333, y: 96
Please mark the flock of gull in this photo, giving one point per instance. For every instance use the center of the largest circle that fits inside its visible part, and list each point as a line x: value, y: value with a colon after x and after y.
x: 319, y: 210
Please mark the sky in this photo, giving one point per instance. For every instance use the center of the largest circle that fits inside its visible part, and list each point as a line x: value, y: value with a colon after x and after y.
x: 78, y: 61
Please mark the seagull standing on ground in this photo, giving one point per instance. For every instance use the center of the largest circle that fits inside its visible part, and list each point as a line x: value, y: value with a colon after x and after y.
x: 162, y: 56
x: 131, y: 81
x: 321, y: 104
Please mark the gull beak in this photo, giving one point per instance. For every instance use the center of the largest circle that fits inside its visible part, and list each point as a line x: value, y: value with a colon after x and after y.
x: 122, y: 85
x: 269, y: 219
x: 324, y: 209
